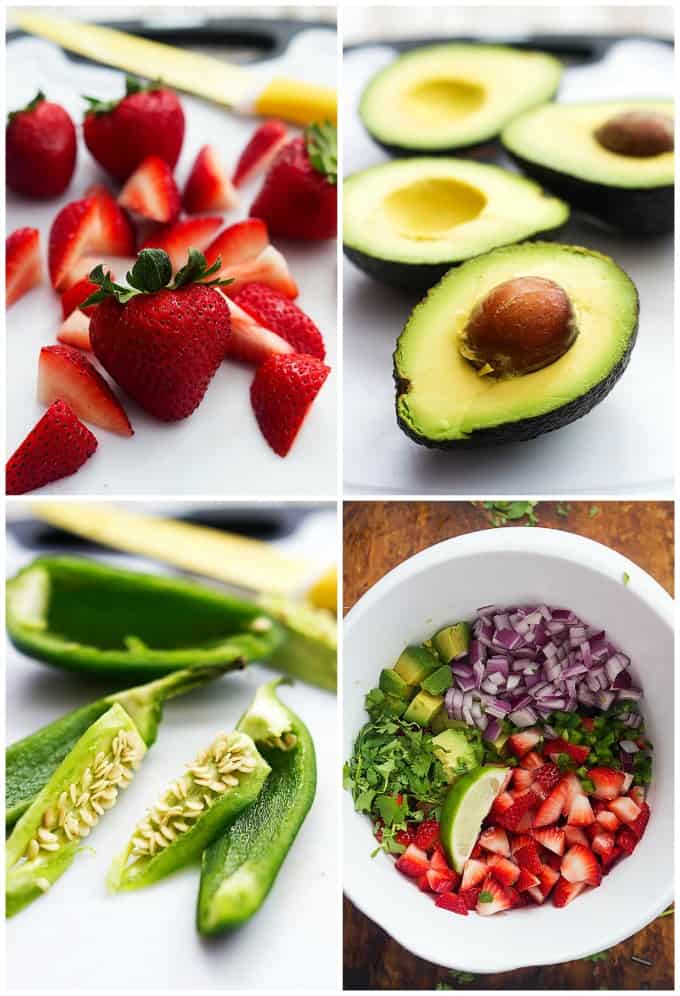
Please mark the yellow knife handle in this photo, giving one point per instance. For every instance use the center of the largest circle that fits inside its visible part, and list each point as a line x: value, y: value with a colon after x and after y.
x: 299, y: 103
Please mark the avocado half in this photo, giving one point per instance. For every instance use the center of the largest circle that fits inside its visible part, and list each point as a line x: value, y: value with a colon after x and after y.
x: 443, y: 402
x: 443, y: 98
x: 407, y: 222
x: 556, y: 145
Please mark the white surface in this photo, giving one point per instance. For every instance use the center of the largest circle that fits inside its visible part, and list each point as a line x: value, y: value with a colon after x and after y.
x: 448, y: 582
x: 624, y: 445
x: 147, y: 939
x: 219, y: 449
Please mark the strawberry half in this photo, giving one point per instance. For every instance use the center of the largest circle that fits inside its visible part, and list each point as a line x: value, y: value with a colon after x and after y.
x: 22, y: 263
x: 208, y: 188
x: 56, y: 447
x: 151, y: 191
x: 282, y: 392
x: 75, y: 331
x: 239, y: 242
x: 273, y: 311
x: 261, y: 149
x: 566, y: 891
x: 268, y: 268
x: 74, y: 231
x: 607, y: 781
x: 413, y: 862
x: 579, y: 864
x: 178, y: 239
x: 495, y: 839
x: 64, y: 374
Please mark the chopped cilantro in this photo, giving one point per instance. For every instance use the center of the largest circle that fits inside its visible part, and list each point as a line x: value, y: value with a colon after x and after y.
x: 563, y: 509
x: 626, y: 577
x: 485, y: 897
x: 593, y: 511
x: 501, y: 512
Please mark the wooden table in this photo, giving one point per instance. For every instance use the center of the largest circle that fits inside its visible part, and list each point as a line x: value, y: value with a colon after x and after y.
x: 377, y: 537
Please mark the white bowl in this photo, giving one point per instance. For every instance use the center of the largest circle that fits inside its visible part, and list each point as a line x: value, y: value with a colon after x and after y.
x: 446, y: 583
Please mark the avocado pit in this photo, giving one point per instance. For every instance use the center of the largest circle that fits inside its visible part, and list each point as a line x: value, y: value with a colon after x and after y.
x: 639, y: 134
x: 522, y: 325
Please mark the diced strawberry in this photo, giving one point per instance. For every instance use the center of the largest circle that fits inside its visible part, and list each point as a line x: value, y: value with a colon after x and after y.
x: 427, y: 835
x: 579, y: 864
x: 268, y: 268
x: 57, y: 446
x: 573, y: 787
x: 522, y: 779
x: 501, y: 804
x: 521, y: 743
x: 75, y: 331
x: 450, y: 901
x: 423, y: 883
x: 477, y: 854
x: 578, y: 753
x: 513, y: 895
x: 116, y: 236
x: 639, y: 825
x: 260, y: 151
x: 550, y: 810
x: 503, y: 869
x: 625, y: 808
x: 580, y: 812
x: 474, y: 872
x: 532, y: 760
x: 439, y: 881
x: 626, y: 840
x: 548, y: 775
x: 413, y: 862
x: 637, y: 794
x: 575, y: 835
x: 493, y: 898
x: 177, y: 239
x: 603, y: 843
x: 208, y: 187
x: 607, y: 781
x: 553, y: 861
x: 73, y: 233
x: 470, y: 896
x: 520, y: 840
x: 527, y: 857
x: 566, y: 891
x: 513, y: 818
x: 64, y: 374
x: 151, y: 191
x: 439, y: 863
x: 536, y: 894
x: 609, y: 862
x: 526, y: 880
x: 23, y: 269
x: 553, y: 748
x: 552, y: 838
x: 239, y: 242
x: 588, y: 723
x: 548, y: 877
x: 495, y: 839
x: 404, y: 837
x: 608, y: 821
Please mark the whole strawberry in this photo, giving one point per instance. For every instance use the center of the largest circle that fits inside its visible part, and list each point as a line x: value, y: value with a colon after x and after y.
x: 299, y: 196
x: 148, y: 121
x: 40, y: 149
x: 161, y: 339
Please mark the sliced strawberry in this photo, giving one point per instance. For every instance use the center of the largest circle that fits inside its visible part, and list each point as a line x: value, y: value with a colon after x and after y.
x: 575, y: 835
x: 116, y: 235
x: 503, y: 869
x: 177, y: 239
x: 79, y: 292
x: 74, y: 231
x: 526, y: 880
x: 626, y: 840
x: 239, y: 242
x: 427, y: 835
x: 208, y: 187
x: 268, y: 268
x: 249, y: 341
x: 625, y: 808
x: 450, y: 901
x: 493, y: 898
x: 514, y: 818
x: 566, y: 891
x: 579, y: 864
x: 283, y: 390
x: 439, y: 863
x: 151, y: 191
x: 470, y: 896
x: 80, y: 270
x: 572, y: 787
x: 522, y: 779
x: 501, y: 804
x: 423, y: 883
x: 274, y: 311
x: 580, y: 812
x: 552, y: 838
x: 550, y: 810
x: 527, y: 857
x: 413, y: 862
x: 65, y: 374
x: 639, y: 825
x: 260, y: 151
x: 474, y: 872
x: 56, y: 447
x: 532, y: 760
x: 22, y: 263
x: 608, y: 783
x: 440, y: 881
x: 603, y: 843
x: 75, y: 331
x: 495, y: 839
x: 520, y: 840
x: 608, y: 821
x: 548, y: 878
x: 521, y: 743
x: 547, y: 776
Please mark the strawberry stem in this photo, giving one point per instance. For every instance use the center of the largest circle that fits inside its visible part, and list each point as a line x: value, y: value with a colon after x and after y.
x: 132, y: 85
x: 31, y: 106
x: 152, y: 272
x: 321, y: 141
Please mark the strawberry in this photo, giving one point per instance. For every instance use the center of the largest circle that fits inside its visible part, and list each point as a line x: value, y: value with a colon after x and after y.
x: 177, y: 239
x: 269, y: 310
x: 608, y: 821
x: 625, y: 808
x: 566, y: 891
x: 513, y: 818
x: 520, y: 840
x: 547, y: 776
x: 282, y: 392
x: 64, y: 374
x: 637, y: 794
x: 522, y: 779
x: 493, y: 898
x: 423, y: 883
x: 116, y: 236
x: 580, y: 812
x: 261, y: 149
x: 608, y: 782
x: 73, y: 232
x: 40, y: 149
x: 238, y: 243
x: 299, y: 197
x: 147, y: 121
x: 609, y: 862
x: 553, y: 861
x: 626, y: 840
x: 427, y: 834
x: 56, y: 447
x: 208, y: 188
x: 588, y: 723
x: 603, y: 844
x: 526, y: 880
x: 503, y: 869
x: 22, y: 263
x: 450, y: 901
x: 268, y: 268
x: 73, y: 298
x: 576, y: 752
x: 474, y: 872
x: 501, y: 804
x: 75, y: 331
x: 579, y: 864
x: 532, y: 761
x: 548, y: 877
x: 575, y: 835
x: 161, y: 341
x: 413, y: 862
x: 550, y: 810
x: 250, y: 342
x: 572, y: 788
x: 521, y: 743
x: 404, y: 837
x: 151, y: 191
x: 440, y: 881
x: 639, y: 825
x: 470, y: 896
x: 552, y: 838
x: 496, y: 840
x: 527, y: 857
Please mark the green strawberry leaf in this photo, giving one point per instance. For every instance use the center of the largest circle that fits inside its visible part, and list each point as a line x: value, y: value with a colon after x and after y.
x: 132, y: 86
x: 321, y: 141
x: 31, y: 106
x: 196, y: 269
x: 152, y: 272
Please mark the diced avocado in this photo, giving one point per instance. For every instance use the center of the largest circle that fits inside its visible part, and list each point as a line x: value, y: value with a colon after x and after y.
x: 423, y: 708
x: 452, y: 641
x: 456, y: 753
x: 437, y: 682
x: 392, y: 683
x: 415, y: 664
x: 442, y: 722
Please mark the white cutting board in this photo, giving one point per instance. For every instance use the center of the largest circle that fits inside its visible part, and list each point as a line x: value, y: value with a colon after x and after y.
x: 147, y: 939
x: 219, y: 449
x: 624, y: 446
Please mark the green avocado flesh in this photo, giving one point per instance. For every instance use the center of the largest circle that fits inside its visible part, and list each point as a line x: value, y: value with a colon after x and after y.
x: 426, y: 215
x: 441, y: 398
x: 453, y: 96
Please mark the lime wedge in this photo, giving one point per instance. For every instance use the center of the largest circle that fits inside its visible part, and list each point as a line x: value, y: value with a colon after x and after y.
x: 465, y: 808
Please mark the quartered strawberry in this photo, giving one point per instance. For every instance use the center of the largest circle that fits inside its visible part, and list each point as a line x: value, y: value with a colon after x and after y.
x: 578, y: 753
x: 413, y: 862
x: 474, y: 872
x: 64, y: 374
x: 548, y: 877
x: 580, y: 812
x: 239, y: 242
x: 575, y: 835
x: 493, y: 897
x: 427, y: 834
x: 275, y: 312
x: 423, y: 883
x: 151, y: 191
x: 283, y: 390
x: 526, y: 880
x: 501, y: 804
x: 79, y: 292
x: 208, y: 187
x: 527, y: 857
x: 251, y: 342
x: 22, y: 263
x: 450, y: 901
x: 588, y: 723
x: 522, y: 779
x: 547, y: 776
x: 639, y: 825
x: 56, y: 447
x: 532, y: 760
x: 75, y: 331
x: 116, y: 235
x: 566, y: 891
x: 521, y: 743
x: 520, y: 840
x: 261, y: 149
x: 269, y: 268
x: 440, y: 881
x: 495, y: 839
x: 607, y: 781
x: 503, y: 869
x: 603, y: 844
x: 550, y: 810
x: 470, y: 896
x: 625, y: 808
x: 514, y: 817
x: 579, y: 864
x: 40, y: 149
x: 74, y: 231
x: 550, y: 837
x: 179, y: 238
x: 608, y: 821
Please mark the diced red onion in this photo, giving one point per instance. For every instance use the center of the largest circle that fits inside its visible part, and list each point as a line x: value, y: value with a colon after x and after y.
x: 523, y: 717
x: 493, y: 729
x: 628, y: 746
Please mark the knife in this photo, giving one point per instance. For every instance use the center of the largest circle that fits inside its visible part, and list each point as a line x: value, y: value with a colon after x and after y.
x: 241, y: 89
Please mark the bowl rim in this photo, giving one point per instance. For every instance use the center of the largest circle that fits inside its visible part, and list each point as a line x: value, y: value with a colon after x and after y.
x: 567, y: 546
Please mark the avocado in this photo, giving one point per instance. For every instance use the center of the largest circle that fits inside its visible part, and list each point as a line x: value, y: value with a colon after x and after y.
x: 440, y: 98
x: 560, y: 146
x: 455, y: 752
x: 406, y: 223
x: 439, y: 681
x: 452, y: 641
x: 442, y: 722
x: 423, y: 708
x: 415, y: 663
x: 393, y: 684
x: 443, y: 401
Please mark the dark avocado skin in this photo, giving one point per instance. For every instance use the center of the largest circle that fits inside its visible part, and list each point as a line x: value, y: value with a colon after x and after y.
x: 486, y: 150
x: 634, y: 211
x: 527, y: 428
